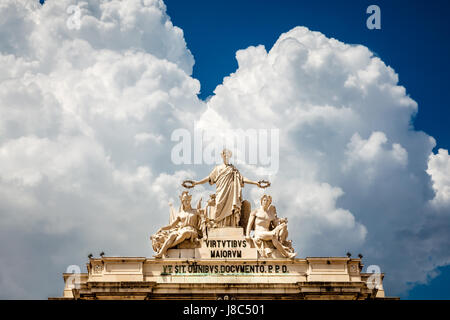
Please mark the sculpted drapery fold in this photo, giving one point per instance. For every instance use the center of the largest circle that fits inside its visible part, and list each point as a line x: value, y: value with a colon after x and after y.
x: 227, y: 200
x: 229, y: 183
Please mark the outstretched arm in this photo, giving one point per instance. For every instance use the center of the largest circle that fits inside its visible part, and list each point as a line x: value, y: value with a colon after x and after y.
x: 248, y: 181
x: 262, y: 183
x: 204, y: 180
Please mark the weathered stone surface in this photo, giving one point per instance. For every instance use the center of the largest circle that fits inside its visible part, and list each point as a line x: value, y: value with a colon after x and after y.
x: 197, y: 273
x: 180, y: 278
x: 226, y: 233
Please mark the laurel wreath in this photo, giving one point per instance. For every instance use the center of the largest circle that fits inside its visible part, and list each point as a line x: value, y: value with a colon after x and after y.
x: 188, y: 184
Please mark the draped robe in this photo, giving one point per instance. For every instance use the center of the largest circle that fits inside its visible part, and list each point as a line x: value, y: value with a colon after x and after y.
x: 229, y: 183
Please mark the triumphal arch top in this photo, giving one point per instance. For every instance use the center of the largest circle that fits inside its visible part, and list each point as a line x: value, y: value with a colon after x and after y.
x: 223, y: 249
x: 225, y: 213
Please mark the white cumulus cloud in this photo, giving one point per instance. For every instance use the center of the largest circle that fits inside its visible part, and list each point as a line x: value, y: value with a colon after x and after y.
x: 84, y: 114
x: 439, y: 170
x: 352, y: 168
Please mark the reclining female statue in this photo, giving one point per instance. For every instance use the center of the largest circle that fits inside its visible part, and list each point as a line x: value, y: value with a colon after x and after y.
x: 186, y: 225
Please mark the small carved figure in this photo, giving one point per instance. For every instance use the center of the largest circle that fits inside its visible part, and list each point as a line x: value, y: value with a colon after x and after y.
x: 173, y: 213
x: 209, y: 215
x: 211, y: 207
x: 185, y: 226
x: 268, y: 227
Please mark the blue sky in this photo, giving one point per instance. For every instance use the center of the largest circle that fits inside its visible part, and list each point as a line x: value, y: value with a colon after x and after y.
x: 412, y: 40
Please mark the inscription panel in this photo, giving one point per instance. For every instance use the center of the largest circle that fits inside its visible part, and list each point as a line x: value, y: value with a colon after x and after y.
x: 123, y: 268
x: 328, y: 268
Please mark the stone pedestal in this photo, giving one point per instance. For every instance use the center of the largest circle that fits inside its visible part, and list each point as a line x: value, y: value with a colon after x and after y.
x: 225, y: 264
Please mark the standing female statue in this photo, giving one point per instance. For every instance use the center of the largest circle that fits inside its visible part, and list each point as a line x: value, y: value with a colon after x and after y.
x: 229, y: 183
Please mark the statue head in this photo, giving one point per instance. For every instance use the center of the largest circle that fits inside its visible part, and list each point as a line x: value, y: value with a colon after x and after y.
x: 226, y: 155
x: 266, y: 201
x: 185, y: 199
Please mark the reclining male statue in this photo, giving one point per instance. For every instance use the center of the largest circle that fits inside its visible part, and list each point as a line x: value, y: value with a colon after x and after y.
x: 268, y: 227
